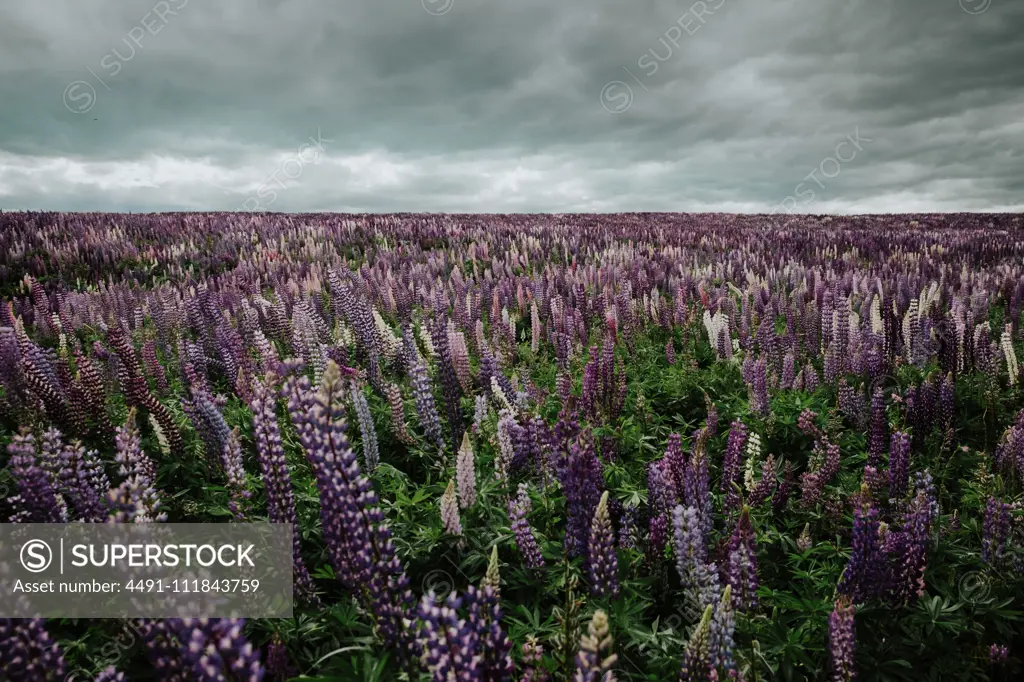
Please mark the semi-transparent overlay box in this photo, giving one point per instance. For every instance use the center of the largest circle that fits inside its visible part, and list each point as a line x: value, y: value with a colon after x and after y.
x: 146, y: 570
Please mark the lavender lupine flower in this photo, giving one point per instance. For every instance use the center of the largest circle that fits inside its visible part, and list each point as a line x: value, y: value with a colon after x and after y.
x: 216, y: 648
x: 83, y: 483
x: 866, y: 572
x: 908, y: 546
x: 276, y: 477
x: 697, y: 493
x: 480, y: 411
x: 842, y: 638
x: 998, y: 654
x: 627, y: 527
x: 759, y: 385
x: 788, y: 371
x: 506, y: 454
x: 450, y: 510
x: 36, y: 501
x: 803, y: 543
x: 741, y: 564
x: 450, y: 388
x: 696, y: 666
x: 670, y: 352
x: 582, y: 481
x: 279, y: 665
x: 657, y: 538
x: 595, y: 658
x: 394, y: 396
x: 995, y: 531
x: 423, y: 393
x: 602, y: 560
x: 699, y: 577
x: 359, y: 543
x: 518, y: 509
x: 474, y: 648
x: 371, y: 452
x: 879, y: 428
x: 899, y: 465
x: 465, y: 473
x: 661, y: 490
x: 721, y: 640
x: 674, y: 465
x: 231, y: 462
x: 139, y: 470
x: 136, y: 391
x: 711, y: 421
x: 28, y: 653
x: 533, y: 653
x: 765, y: 485
x: 732, y: 465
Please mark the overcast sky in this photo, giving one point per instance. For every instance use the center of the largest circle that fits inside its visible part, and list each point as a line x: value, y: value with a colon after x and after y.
x: 512, y: 105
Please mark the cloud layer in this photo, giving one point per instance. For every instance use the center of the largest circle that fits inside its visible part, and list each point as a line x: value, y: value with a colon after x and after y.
x: 481, y: 106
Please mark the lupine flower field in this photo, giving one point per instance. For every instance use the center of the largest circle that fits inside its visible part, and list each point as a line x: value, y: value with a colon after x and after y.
x: 534, y: 447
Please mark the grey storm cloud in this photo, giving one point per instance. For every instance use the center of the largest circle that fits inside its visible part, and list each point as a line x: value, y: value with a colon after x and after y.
x: 480, y: 105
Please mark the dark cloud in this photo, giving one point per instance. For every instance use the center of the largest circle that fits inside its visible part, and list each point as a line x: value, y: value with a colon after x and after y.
x: 492, y: 106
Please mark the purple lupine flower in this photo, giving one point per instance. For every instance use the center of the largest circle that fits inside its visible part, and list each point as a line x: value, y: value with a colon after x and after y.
x: 696, y: 666
x: 741, y: 564
x: 28, y: 653
x: 879, y: 428
x: 450, y: 388
x: 865, y: 573
x: 766, y: 485
x: 661, y: 491
x: 995, y: 531
x: 998, y: 654
x: 480, y: 411
x: 781, y: 496
x: 657, y: 537
x: 670, y: 352
x: 674, y: 464
x: 474, y: 648
x: 394, y: 396
x: 842, y: 638
x: 359, y: 542
x: 465, y: 473
x: 711, y: 421
x: 279, y: 665
x: 215, y: 648
x: 450, y: 510
x: 582, y: 481
x: 518, y: 509
x: 276, y: 477
x: 602, y: 560
x: 788, y: 371
x: 627, y: 526
x: 423, y: 392
x: 594, y: 660
x: 732, y: 465
x: 698, y: 492
x: 759, y: 385
x: 811, y: 380
x: 721, y: 640
x: 137, y: 392
x: 139, y: 471
x: 371, y: 452
x: 36, y: 501
x: 899, y: 465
